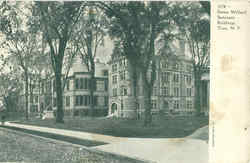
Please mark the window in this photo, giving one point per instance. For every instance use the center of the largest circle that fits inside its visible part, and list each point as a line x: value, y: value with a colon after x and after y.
x: 164, y: 64
x: 114, y: 79
x: 153, y: 104
x: 67, y: 86
x: 106, y: 85
x: 82, y: 83
x: 67, y: 100
x: 189, y: 105
x: 188, y: 79
x: 165, y: 91
x: 43, y: 87
x: 189, y: 92
x: 81, y: 100
x: 114, y: 68
x: 176, y: 91
x: 86, y: 100
x: 176, y: 104
x: 122, y: 75
x: 36, y: 99
x: 165, y: 76
x: 176, y: 78
x: 124, y: 91
x: 114, y: 91
x: 76, y: 83
x: 100, y: 86
x: 106, y: 101
x: 105, y: 72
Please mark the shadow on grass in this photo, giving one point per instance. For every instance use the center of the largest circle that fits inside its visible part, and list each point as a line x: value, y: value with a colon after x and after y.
x: 87, y: 143
x: 162, y: 127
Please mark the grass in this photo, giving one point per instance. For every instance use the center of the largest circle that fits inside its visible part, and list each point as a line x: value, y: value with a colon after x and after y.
x: 87, y: 143
x: 162, y: 127
x: 19, y: 147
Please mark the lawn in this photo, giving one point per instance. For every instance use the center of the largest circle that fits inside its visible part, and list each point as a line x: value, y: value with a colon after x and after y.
x: 19, y: 147
x: 162, y: 127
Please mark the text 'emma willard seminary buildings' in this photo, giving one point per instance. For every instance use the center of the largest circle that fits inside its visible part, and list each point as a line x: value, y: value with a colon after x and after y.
x: 173, y: 90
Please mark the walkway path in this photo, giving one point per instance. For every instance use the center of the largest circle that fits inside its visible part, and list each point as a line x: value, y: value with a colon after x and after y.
x: 164, y: 150
x: 75, y: 134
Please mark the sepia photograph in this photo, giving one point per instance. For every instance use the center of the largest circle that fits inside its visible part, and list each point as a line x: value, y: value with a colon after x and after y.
x: 104, y: 81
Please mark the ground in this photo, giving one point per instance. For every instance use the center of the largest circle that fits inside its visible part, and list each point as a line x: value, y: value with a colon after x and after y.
x: 162, y: 127
x: 21, y: 147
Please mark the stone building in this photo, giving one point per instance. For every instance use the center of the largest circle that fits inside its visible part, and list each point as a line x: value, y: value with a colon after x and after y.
x: 77, y: 90
x: 173, y: 91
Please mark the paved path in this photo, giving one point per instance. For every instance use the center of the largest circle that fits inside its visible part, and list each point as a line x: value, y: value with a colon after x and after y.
x: 164, y: 150
x: 75, y: 134
x: 161, y: 150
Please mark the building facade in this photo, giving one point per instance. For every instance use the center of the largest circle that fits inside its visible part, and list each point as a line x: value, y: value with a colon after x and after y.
x: 76, y: 96
x: 173, y: 90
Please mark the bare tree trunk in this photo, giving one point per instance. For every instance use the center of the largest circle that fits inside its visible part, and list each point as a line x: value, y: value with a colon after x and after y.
x: 59, y: 98
x: 92, y: 87
x: 147, y: 99
x: 26, y: 95
x: 197, y: 84
x: 134, y: 74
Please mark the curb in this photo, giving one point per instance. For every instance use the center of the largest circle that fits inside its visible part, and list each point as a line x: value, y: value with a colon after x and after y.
x: 90, y: 149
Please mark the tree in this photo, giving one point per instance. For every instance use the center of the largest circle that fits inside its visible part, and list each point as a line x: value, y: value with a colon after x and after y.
x: 10, y: 88
x: 57, y: 20
x: 135, y: 27
x: 87, y: 38
x: 194, y: 26
x: 19, y: 42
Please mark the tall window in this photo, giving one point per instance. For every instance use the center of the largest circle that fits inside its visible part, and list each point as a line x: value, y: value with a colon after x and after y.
x: 100, y: 85
x: 176, y: 91
x: 114, y: 79
x: 176, y: 78
x: 165, y: 91
x: 81, y: 100
x: 82, y: 83
x: 189, y: 105
x: 67, y: 84
x: 76, y: 83
x: 164, y: 64
x: 189, y: 92
x: 67, y: 100
x: 153, y: 104
x: 106, y: 101
x: 114, y: 68
x: 122, y: 75
x: 176, y: 104
x: 123, y: 91
x: 188, y: 79
x: 36, y: 99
